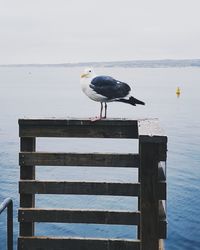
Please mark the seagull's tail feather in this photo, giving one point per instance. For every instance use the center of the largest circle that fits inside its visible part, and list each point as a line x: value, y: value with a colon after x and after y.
x: 132, y: 100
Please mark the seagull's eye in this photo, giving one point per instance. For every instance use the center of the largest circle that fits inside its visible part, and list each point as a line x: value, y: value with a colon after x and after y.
x: 90, y: 71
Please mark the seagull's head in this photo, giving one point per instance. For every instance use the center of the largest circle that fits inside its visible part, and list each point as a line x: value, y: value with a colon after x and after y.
x: 88, y: 73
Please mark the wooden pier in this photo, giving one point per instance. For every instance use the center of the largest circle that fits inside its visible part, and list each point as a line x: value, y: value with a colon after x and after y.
x: 150, y: 217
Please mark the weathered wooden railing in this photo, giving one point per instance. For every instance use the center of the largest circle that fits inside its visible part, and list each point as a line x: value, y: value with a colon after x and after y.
x: 150, y: 188
x: 8, y: 204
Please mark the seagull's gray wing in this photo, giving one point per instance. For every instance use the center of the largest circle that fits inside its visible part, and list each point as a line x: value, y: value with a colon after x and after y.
x: 109, y: 87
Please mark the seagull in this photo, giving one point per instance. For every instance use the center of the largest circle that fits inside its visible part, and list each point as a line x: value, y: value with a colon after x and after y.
x: 105, y: 89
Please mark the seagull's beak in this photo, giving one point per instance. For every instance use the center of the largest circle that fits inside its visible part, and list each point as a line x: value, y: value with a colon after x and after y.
x: 84, y: 75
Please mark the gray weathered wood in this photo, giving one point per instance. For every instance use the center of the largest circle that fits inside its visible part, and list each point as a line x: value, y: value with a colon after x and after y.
x: 53, y: 243
x: 86, y: 188
x: 79, y: 159
x: 149, y: 226
x: 149, y: 131
x: 76, y: 122
x: 114, y: 128
x: 78, y: 187
x: 86, y: 216
x: 79, y: 216
x: 27, y: 173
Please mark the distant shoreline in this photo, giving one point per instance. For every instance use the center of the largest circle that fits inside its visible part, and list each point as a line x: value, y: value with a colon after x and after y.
x: 165, y: 63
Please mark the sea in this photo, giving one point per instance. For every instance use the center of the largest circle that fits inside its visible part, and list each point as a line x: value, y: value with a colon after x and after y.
x: 54, y: 92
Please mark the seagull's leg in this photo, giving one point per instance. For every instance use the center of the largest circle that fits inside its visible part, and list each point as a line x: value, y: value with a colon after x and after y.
x: 105, y: 114
x: 100, y: 117
x: 101, y: 110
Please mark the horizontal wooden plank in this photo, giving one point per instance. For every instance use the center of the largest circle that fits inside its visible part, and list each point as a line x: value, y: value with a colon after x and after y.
x: 47, y: 243
x: 78, y: 159
x: 86, y: 216
x: 81, y: 188
x: 79, y: 216
x: 85, y: 188
x: 149, y: 130
x: 108, y: 128
x: 76, y: 122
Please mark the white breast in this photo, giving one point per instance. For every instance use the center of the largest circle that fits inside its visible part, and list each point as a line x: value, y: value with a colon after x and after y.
x: 85, y: 86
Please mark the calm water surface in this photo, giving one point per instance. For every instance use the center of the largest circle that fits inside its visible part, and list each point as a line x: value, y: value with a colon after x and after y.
x: 55, y: 92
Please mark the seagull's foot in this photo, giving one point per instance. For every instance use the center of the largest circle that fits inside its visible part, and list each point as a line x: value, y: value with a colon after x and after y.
x: 97, y: 118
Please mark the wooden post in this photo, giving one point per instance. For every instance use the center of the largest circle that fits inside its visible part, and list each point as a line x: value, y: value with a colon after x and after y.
x: 10, y: 226
x: 152, y: 149
x: 27, y: 173
x: 149, y: 224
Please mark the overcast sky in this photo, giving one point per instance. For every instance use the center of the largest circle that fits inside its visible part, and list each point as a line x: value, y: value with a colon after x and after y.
x: 57, y: 31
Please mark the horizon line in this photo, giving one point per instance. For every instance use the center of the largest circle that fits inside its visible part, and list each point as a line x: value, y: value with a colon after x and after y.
x: 102, y: 62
